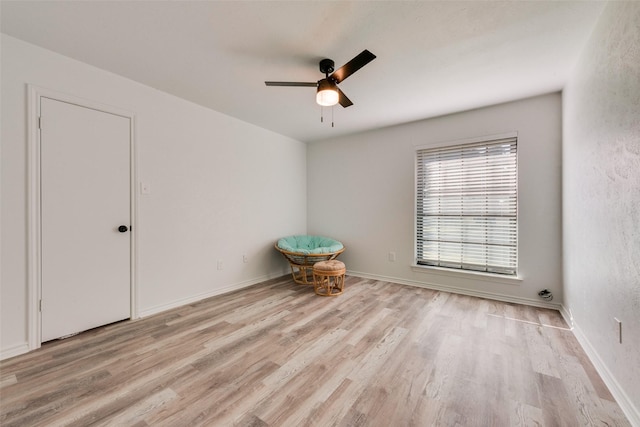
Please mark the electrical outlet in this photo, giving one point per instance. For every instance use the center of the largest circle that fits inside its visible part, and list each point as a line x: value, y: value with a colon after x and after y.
x: 619, y: 322
x: 392, y: 257
x: 219, y: 264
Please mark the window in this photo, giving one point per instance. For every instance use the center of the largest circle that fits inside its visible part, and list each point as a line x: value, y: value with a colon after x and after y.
x: 467, y: 206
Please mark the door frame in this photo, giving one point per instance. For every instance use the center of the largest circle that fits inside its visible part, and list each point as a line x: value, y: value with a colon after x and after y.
x: 34, y: 208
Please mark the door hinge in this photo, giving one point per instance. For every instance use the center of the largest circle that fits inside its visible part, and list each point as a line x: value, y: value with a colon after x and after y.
x: 40, y: 306
x: 40, y: 122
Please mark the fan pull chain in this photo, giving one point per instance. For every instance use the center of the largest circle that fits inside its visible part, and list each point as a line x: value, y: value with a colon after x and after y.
x: 322, y: 115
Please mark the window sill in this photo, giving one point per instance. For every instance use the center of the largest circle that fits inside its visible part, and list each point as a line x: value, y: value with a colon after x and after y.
x: 466, y: 274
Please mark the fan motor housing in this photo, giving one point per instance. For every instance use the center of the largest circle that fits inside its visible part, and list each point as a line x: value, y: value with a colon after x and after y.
x: 326, y: 66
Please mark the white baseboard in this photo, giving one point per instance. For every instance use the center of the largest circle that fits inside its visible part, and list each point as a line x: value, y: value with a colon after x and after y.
x: 195, y: 298
x: 567, y: 316
x: 14, y: 350
x: 456, y: 290
x: 625, y: 402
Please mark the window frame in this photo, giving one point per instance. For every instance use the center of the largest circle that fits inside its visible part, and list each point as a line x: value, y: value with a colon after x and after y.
x: 456, y: 271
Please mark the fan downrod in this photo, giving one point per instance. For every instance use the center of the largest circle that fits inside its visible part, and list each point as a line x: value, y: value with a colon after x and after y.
x: 327, y: 66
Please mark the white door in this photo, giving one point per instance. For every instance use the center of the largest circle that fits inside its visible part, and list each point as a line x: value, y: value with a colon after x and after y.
x: 85, y: 198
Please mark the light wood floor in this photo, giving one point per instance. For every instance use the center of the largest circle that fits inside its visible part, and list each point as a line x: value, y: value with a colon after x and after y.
x: 275, y: 354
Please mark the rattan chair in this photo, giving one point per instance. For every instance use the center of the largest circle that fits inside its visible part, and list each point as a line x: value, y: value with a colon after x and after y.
x: 302, y: 260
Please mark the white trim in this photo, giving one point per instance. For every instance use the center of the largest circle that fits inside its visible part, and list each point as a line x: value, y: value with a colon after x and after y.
x: 624, y: 401
x: 214, y: 292
x: 133, y: 206
x: 33, y: 220
x: 14, y: 350
x: 457, y: 290
x: 34, y: 237
x: 567, y: 316
x: 439, y: 144
x: 467, y: 274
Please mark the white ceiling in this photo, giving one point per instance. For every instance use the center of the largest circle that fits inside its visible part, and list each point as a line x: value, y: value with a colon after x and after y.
x: 433, y: 57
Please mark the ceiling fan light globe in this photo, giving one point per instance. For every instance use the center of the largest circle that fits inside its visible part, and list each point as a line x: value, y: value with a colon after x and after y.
x: 327, y: 97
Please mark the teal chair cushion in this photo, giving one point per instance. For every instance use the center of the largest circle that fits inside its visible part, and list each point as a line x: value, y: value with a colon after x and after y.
x: 309, y: 244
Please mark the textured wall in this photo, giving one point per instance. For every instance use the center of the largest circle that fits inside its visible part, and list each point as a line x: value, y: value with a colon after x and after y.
x: 601, y: 194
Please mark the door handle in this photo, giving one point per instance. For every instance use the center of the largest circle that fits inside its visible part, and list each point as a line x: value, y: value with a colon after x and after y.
x: 123, y: 229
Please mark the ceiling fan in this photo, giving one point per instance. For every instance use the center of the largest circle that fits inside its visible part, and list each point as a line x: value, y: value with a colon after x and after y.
x: 328, y: 93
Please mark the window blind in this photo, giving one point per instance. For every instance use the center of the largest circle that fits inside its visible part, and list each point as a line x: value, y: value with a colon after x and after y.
x: 467, y: 206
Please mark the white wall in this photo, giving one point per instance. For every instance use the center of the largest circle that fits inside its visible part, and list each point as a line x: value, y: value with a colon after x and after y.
x: 601, y: 190
x: 361, y: 191
x: 221, y: 188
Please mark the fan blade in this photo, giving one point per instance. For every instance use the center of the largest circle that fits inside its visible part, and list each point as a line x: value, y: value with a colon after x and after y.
x: 343, y: 100
x: 305, y: 84
x: 362, y: 59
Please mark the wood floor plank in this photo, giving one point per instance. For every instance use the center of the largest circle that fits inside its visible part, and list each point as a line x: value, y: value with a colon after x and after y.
x: 523, y: 415
x: 275, y: 354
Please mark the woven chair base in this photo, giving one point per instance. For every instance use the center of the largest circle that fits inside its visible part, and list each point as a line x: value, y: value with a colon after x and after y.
x: 302, y: 274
